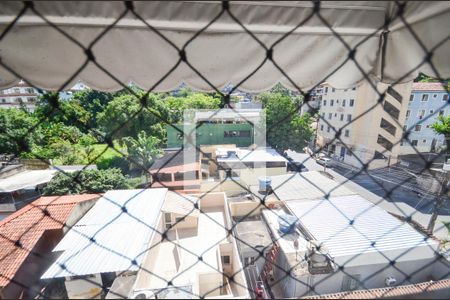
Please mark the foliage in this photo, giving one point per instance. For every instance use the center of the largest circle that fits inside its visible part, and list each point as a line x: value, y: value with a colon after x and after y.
x: 186, y: 99
x: 425, y: 78
x: 285, y: 128
x: 93, y: 102
x: 143, y: 150
x: 14, y: 127
x: 442, y: 126
x: 126, y: 115
x: 86, y: 181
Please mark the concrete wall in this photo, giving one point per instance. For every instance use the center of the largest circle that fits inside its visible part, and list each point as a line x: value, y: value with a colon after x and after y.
x: 84, y: 288
x: 249, y: 176
x: 249, y: 208
x: 188, y: 222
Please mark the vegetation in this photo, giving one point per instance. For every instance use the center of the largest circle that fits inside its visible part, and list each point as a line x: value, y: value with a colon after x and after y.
x: 286, y: 128
x: 442, y: 126
x: 87, y: 181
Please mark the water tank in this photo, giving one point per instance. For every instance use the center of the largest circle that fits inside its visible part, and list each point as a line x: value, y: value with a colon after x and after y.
x: 264, y: 183
x: 287, y: 223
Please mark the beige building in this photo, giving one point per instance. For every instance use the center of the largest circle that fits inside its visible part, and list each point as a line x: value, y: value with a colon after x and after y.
x: 370, y: 126
x: 21, y: 95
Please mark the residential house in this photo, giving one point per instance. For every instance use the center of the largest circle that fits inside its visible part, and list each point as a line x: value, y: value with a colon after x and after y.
x: 21, y: 95
x: 28, y: 236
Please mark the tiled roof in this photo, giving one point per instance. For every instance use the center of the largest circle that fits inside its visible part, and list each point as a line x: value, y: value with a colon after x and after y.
x: 389, y: 292
x: 428, y: 86
x: 27, y: 226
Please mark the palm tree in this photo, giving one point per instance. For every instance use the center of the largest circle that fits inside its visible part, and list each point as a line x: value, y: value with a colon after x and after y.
x: 143, y: 151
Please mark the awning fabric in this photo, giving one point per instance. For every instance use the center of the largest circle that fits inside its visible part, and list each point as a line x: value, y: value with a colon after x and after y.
x: 224, y: 53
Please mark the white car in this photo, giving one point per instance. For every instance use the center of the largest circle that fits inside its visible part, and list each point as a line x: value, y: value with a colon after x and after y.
x: 324, y: 161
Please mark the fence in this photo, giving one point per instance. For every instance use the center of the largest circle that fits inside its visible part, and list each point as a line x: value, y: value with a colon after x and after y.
x: 283, y: 274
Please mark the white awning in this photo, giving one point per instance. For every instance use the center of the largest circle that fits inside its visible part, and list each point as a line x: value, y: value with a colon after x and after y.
x: 223, y: 53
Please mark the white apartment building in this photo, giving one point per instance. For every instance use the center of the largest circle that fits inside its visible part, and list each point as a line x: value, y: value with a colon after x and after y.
x: 21, y: 95
x: 428, y: 100
x: 369, y: 125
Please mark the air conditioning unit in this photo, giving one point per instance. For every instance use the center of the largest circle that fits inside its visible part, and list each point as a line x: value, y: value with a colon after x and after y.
x: 390, y: 281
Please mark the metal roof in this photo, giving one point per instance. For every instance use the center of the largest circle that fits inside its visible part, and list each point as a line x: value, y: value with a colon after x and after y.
x: 350, y: 226
x: 111, y: 235
x: 26, y: 180
x: 257, y: 155
x: 307, y: 185
x: 181, y: 204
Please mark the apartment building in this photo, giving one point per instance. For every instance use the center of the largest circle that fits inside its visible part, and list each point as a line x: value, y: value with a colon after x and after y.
x: 358, y: 126
x: 428, y: 100
x: 21, y: 95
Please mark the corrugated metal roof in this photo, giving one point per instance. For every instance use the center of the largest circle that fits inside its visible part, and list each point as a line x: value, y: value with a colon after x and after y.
x: 307, y: 185
x: 348, y: 226
x: 111, y: 235
x: 27, y: 226
x: 26, y: 179
x: 257, y: 155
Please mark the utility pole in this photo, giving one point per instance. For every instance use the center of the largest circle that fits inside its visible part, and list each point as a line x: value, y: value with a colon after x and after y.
x: 440, y: 199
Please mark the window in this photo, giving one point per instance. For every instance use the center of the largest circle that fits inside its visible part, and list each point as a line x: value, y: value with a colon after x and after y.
x: 441, y: 112
x: 19, y: 100
x: 421, y: 113
x: 323, y: 115
x: 321, y: 127
x: 424, y: 98
x: 391, y: 110
x: 168, y: 217
x: 334, y: 90
x: 384, y: 142
x: 162, y: 177
x: 337, y: 101
x: 388, y: 126
x: 30, y: 91
x: 329, y: 116
x: 226, y: 259
x: 414, y: 142
x: 342, y: 117
x: 424, y: 141
x: 17, y: 91
x: 179, y: 219
x: 347, y: 133
x: 379, y: 155
x: 349, y: 118
x: 408, y: 113
x: 3, y: 100
x: 244, y: 133
x: 445, y: 97
x: 328, y: 129
x: 343, y: 103
x: 352, y: 102
x: 417, y: 127
x: 326, y: 89
x: 335, y: 114
x: 324, y: 102
x: 434, y: 95
x: 354, y: 89
x: 431, y: 111
x: 411, y: 98
x: 331, y: 102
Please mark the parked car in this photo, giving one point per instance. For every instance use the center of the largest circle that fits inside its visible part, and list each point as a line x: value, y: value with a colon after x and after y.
x: 296, y: 166
x: 324, y: 161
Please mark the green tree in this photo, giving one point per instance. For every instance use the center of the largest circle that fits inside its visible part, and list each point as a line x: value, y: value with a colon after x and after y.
x: 15, y: 130
x: 143, y: 150
x: 93, y: 102
x: 177, y: 105
x: 125, y: 116
x: 87, y: 181
x: 285, y: 128
x: 442, y: 126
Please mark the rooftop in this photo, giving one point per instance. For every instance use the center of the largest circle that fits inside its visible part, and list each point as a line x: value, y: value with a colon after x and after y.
x: 428, y: 86
x: 176, y: 159
x: 27, y: 226
x: 251, y: 115
x: 350, y: 226
x: 305, y: 186
x: 245, y: 155
x: 26, y: 180
x: 101, y: 241
x: 253, y: 234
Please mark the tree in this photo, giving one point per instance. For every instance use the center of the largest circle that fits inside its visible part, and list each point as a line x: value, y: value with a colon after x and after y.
x: 143, y: 150
x: 87, y: 181
x: 285, y: 128
x: 186, y: 99
x: 93, y: 102
x: 126, y: 115
x: 15, y: 125
x: 442, y: 126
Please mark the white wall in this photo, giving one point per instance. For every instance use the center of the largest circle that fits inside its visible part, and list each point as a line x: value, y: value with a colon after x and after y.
x: 84, y: 288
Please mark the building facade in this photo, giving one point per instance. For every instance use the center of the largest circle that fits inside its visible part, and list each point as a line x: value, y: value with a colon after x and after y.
x: 428, y: 100
x: 22, y: 95
x: 362, y: 125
